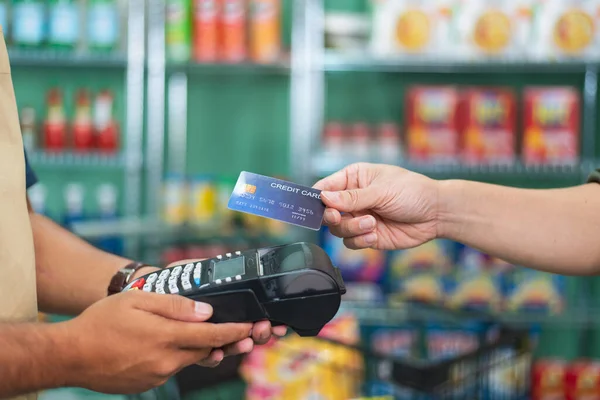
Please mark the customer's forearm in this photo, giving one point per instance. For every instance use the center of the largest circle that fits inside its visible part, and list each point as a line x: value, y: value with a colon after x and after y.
x: 71, y: 273
x: 34, y: 357
x: 554, y: 230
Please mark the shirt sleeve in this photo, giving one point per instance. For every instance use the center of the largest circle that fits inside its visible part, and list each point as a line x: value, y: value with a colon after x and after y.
x: 30, y: 176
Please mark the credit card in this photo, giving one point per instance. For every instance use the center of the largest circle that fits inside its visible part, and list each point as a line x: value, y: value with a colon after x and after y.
x: 277, y: 199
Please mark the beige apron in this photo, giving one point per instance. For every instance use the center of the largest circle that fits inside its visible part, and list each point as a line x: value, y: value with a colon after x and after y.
x: 18, y: 299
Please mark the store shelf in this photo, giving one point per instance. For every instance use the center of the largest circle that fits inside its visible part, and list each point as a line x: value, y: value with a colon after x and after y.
x: 381, y: 314
x: 75, y: 160
x: 323, y: 165
x: 334, y: 62
x: 152, y: 228
x: 65, y: 59
x: 278, y: 68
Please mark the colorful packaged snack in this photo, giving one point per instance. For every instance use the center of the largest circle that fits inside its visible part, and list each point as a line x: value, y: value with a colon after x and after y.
x: 397, y: 342
x: 488, y: 126
x: 411, y: 27
x: 476, y: 283
x: 432, y: 132
x: 420, y: 273
x: 365, y: 265
x: 493, y: 28
x: 298, y: 368
x: 446, y: 341
x: 583, y: 380
x: 567, y: 29
x: 552, y: 126
x: 534, y: 291
x: 549, y: 379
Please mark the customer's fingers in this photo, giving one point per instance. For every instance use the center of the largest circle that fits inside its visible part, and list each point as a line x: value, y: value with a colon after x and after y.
x: 335, y: 181
x: 362, y: 241
x: 352, y: 200
x: 332, y: 217
x: 354, y: 226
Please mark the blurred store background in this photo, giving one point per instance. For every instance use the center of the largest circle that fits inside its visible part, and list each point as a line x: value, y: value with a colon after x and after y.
x: 139, y: 115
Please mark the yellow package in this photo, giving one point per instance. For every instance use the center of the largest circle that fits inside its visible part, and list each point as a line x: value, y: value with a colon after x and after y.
x: 487, y: 28
x: 567, y: 29
x: 297, y: 368
x: 175, y: 211
x: 202, y: 201
x: 401, y: 27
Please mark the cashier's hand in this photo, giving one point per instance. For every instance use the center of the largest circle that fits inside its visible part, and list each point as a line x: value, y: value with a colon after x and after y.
x: 261, y: 334
x: 380, y: 206
x: 135, y: 341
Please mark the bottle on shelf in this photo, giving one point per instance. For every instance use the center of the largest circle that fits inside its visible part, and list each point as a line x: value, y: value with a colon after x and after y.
x: 28, y: 23
x: 37, y: 196
x: 63, y: 24
x: 232, y: 16
x: 103, y: 27
x: 83, y: 129
x: 28, y: 128
x: 205, y: 30
x: 389, y: 144
x: 74, y: 197
x: 178, y: 31
x: 333, y: 139
x: 360, y: 141
x: 105, y: 126
x: 106, y: 197
x: 265, y: 30
x: 55, y: 126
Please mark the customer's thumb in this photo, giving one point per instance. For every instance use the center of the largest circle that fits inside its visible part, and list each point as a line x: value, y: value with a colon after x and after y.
x: 350, y: 200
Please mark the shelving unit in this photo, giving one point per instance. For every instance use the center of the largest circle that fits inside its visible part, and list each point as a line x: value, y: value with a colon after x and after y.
x: 318, y: 73
x: 123, y: 71
x: 70, y: 160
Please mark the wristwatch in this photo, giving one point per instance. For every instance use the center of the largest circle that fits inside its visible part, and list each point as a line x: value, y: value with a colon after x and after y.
x: 123, y: 276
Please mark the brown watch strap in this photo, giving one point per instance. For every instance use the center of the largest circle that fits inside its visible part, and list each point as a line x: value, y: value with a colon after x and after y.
x: 122, y: 277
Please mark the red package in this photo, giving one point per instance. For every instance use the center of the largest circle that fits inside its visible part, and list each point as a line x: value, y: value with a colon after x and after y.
x: 583, y: 381
x: 548, y: 380
x: 488, y: 126
x: 552, y: 124
x: 55, y: 126
x: 432, y: 124
x: 205, y: 30
x: 232, y: 28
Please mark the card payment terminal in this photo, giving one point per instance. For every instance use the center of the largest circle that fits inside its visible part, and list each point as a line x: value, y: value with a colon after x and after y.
x: 294, y: 285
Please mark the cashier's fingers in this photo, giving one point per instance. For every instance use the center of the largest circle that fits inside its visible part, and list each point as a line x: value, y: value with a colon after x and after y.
x: 354, y: 226
x: 199, y: 336
x: 279, y: 330
x: 241, y: 347
x: 261, y: 332
x: 361, y: 242
x: 213, y: 360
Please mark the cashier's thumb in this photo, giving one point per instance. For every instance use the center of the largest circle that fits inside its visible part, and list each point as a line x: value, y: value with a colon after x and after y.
x: 178, y: 308
x: 350, y: 200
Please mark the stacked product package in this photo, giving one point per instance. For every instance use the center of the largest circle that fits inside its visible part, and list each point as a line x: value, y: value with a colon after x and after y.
x: 539, y: 30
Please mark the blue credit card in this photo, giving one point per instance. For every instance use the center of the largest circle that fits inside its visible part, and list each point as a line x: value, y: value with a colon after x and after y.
x: 277, y: 199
